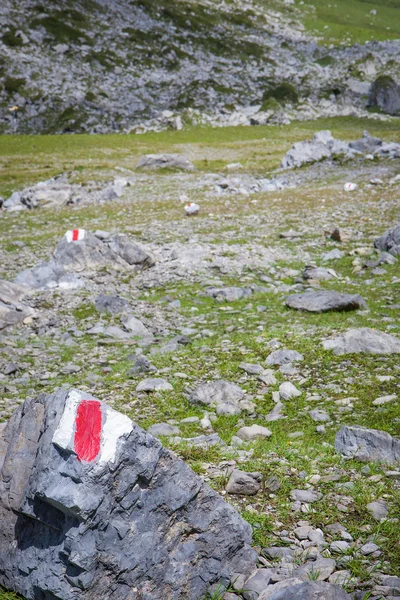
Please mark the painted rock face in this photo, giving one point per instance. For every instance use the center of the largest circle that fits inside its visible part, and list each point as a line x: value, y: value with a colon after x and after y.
x: 192, y: 208
x: 350, y: 187
x: 75, y: 235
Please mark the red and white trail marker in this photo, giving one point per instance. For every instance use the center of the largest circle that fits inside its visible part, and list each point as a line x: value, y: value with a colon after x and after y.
x: 75, y: 235
x: 90, y: 429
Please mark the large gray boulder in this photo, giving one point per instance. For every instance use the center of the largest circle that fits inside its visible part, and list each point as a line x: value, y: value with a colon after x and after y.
x: 364, y: 341
x: 367, y: 144
x: 324, y: 301
x: 12, y: 308
x: 89, y: 252
x: 385, y: 94
x: 389, y: 241
x: 312, y: 590
x: 49, y: 275
x: 165, y: 161
x: 367, y: 445
x: 323, y: 145
x: 91, y: 507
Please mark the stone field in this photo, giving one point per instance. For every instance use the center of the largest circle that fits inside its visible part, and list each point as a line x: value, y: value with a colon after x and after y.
x: 258, y: 339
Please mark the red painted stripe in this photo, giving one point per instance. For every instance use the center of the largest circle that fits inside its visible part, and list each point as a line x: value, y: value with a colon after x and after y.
x: 75, y: 235
x: 88, y: 424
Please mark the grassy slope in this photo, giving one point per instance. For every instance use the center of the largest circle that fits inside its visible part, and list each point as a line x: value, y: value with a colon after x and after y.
x: 351, y: 21
x: 28, y: 159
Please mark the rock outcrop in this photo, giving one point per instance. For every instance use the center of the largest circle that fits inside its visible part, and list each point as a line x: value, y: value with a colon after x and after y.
x: 389, y: 241
x: 385, y: 95
x: 93, y: 507
x: 364, y: 341
x: 12, y: 308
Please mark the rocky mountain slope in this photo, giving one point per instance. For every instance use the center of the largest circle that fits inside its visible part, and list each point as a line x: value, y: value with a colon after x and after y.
x: 98, y: 66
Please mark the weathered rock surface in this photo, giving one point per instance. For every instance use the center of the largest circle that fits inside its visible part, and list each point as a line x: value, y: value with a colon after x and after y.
x: 49, y: 275
x: 217, y: 393
x: 367, y: 445
x: 93, y: 506
x: 12, y: 308
x: 244, y: 484
x: 324, y: 301
x: 323, y: 145
x: 111, y: 304
x: 314, y: 590
x: 364, y: 340
x: 228, y: 294
x: 165, y: 161
x: 389, y: 241
x: 284, y: 357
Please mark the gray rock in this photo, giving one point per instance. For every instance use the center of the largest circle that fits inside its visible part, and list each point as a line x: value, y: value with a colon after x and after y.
x: 339, y: 546
x: 83, y: 515
x: 332, y: 255
x: 318, y: 273
x: 367, y: 445
x: 257, y: 583
x: 385, y: 94
x: 314, y: 590
x: 111, y: 304
x: 228, y: 294
x: 275, y: 414
x: 244, y: 484
x: 365, y: 341
x: 378, y: 509
x: 321, y: 569
x: 163, y: 429
x: 49, y: 276
x: 154, y: 384
x: 142, y: 365
x: 131, y: 252
x: 368, y: 549
x: 367, y: 144
x: 165, y: 161
x: 287, y: 391
x: 271, y: 590
x: 253, y: 432
x: 389, y: 241
x: 323, y: 145
x: 116, y: 332
x: 284, y: 357
x: 12, y: 308
x: 305, y: 495
x: 251, y: 368
x: 216, y: 393
x: 319, y: 416
x: 136, y: 327
x: 204, y: 441
x: 324, y: 301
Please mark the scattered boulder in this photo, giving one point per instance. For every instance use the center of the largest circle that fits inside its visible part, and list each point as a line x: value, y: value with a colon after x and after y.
x: 367, y: 445
x: 229, y: 294
x: 218, y: 393
x: 367, y: 144
x: 284, y: 357
x: 163, y: 429
x: 385, y: 95
x: 253, y: 432
x: 286, y: 583
x: 142, y: 365
x: 154, y: 384
x: 323, y: 145
x: 111, y: 304
x: 365, y: 341
x: 324, y: 301
x: 49, y: 275
x: 378, y: 509
x: 287, y: 391
x: 244, y: 484
x: 137, y: 328
x: 318, y: 273
x: 88, y: 252
x: 12, y: 308
x: 91, y: 503
x: 389, y: 241
x: 165, y: 161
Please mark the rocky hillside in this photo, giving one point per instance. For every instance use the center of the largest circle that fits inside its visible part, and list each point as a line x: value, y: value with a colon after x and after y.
x: 98, y: 66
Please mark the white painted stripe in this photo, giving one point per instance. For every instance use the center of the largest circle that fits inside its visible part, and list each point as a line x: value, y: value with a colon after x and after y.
x: 116, y: 425
x: 63, y: 436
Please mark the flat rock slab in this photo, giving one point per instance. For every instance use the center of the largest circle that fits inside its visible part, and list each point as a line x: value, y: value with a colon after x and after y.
x: 367, y: 445
x: 49, y: 275
x: 92, y: 506
x: 228, y: 294
x: 364, y: 341
x: 165, y: 161
x: 324, y: 301
x: 154, y: 384
x: 314, y: 590
x: 216, y: 393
